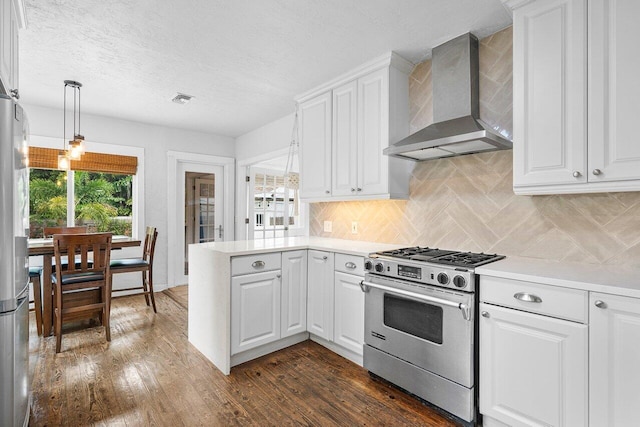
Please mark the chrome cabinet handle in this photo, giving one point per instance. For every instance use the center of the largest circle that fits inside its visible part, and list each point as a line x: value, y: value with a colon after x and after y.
x: 350, y: 265
x: 353, y: 189
x: 257, y: 264
x: 485, y: 314
x: 15, y: 93
x: 577, y: 174
x: 278, y: 276
x: 327, y: 191
x: 600, y: 304
x: 464, y: 308
x: 523, y: 296
x: 324, y: 258
x: 597, y: 172
x: 358, y: 189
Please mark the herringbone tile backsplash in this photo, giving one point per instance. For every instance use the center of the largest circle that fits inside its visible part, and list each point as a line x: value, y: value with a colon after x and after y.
x: 467, y: 203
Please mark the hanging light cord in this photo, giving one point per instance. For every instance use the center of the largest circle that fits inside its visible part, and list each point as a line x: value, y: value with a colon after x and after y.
x: 293, y: 146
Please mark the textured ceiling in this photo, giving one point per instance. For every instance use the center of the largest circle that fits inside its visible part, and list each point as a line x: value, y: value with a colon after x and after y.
x: 243, y: 60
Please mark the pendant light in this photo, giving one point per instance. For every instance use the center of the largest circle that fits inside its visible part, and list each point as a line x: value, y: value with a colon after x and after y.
x: 291, y: 172
x: 74, y: 149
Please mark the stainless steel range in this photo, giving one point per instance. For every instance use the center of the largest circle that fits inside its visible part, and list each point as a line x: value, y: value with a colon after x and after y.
x: 420, y: 324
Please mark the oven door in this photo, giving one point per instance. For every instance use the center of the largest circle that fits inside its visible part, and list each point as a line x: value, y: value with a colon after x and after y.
x: 426, y: 326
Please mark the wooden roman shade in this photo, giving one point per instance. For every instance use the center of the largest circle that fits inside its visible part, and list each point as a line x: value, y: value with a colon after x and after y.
x: 47, y: 158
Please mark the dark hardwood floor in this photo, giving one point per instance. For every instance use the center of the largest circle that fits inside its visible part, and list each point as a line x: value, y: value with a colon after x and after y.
x: 149, y: 375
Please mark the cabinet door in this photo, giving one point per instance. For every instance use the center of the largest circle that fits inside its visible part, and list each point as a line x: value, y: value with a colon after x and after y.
x: 614, y: 352
x: 348, y: 312
x: 255, y: 310
x: 315, y: 147
x: 549, y: 93
x: 373, y: 133
x: 344, y: 147
x: 6, y: 43
x: 614, y: 90
x: 294, y: 293
x: 320, y: 294
x: 533, y: 369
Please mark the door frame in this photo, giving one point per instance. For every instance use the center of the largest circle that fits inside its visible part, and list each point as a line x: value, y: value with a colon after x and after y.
x: 176, y: 162
x: 241, y: 191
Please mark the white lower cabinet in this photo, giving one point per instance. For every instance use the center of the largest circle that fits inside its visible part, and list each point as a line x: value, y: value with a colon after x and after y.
x: 348, y: 321
x: 269, y: 305
x: 255, y: 310
x: 294, y: 293
x: 614, y: 356
x: 320, y: 294
x: 533, y: 367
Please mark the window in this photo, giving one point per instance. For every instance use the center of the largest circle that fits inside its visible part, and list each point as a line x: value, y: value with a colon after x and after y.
x: 276, y: 208
x: 103, y: 202
x: 91, y: 194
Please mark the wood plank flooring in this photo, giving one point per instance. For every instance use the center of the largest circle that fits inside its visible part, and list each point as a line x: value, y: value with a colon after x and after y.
x: 149, y: 375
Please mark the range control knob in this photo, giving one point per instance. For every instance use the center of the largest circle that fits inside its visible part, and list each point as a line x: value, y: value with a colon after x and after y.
x: 443, y: 279
x: 368, y: 265
x: 459, y: 282
x: 379, y: 267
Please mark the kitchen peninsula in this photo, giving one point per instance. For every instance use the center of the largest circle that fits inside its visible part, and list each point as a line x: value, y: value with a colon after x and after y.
x: 249, y: 298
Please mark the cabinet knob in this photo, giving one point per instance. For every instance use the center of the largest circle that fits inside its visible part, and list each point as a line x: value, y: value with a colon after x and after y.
x: 358, y: 189
x: 597, y: 172
x: 327, y: 192
x: 278, y: 276
x: 485, y: 314
x: 325, y: 258
x: 353, y: 189
x: 15, y: 93
x: 576, y: 174
x: 600, y: 304
x: 257, y: 264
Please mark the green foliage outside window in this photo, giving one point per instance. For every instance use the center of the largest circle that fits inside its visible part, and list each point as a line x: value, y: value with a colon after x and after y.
x: 102, y: 201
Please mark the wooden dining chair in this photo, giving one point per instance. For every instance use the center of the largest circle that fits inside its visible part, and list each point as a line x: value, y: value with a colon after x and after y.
x: 50, y: 231
x: 36, y: 287
x: 143, y: 265
x: 82, y: 288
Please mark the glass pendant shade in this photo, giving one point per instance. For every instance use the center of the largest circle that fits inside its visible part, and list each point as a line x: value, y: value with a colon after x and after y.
x: 63, y: 161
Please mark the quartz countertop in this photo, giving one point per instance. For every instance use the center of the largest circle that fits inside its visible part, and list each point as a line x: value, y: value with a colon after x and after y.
x: 247, y: 247
x: 611, y: 279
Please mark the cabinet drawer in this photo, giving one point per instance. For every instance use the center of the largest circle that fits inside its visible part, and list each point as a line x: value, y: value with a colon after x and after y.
x: 563, y: 303
x: 352, y: 264
x: 255, y: 263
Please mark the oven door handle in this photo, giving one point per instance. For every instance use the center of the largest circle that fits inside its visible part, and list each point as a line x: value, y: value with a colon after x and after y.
x: 463, y: 307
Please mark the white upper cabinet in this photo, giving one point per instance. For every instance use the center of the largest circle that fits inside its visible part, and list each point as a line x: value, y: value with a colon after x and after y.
x: 362, y: 113
x: 614, y: 91
x: 574, y: 93
x: 315, y: 152
x: 9, y: 25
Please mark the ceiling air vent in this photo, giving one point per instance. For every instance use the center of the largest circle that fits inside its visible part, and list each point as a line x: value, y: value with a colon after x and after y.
x: 181, y: 98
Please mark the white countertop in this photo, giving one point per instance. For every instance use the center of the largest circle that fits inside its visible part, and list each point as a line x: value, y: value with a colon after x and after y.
x: 247, y: 247
x: 612, y: 279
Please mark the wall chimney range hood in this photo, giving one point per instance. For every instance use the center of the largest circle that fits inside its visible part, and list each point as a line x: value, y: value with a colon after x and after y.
x: 457, y: 129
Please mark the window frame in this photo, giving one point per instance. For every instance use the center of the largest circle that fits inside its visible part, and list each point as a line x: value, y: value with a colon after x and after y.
x: 137, y: 182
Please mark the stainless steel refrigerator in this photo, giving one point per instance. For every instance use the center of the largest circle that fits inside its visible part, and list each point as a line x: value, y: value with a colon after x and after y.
x: 14, y: 265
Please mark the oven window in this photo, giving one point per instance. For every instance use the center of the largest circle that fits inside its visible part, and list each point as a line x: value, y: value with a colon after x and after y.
x: 413, y: 317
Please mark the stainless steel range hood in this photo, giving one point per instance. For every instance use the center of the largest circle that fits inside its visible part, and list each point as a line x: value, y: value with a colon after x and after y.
x: 456, y: 129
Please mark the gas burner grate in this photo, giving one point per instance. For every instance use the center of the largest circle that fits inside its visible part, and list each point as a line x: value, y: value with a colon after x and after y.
x: 416, y: 252
x: 466, y: 259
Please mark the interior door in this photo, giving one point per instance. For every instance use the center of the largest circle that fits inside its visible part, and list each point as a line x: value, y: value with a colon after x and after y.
x: 201, y: 189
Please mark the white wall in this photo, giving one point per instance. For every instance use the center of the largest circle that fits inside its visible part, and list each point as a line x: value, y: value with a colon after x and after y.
x: 269, y: 138
x: 156, y: 141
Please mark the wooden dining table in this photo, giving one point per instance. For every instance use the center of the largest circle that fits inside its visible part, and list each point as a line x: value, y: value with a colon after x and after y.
x: 44, y: 248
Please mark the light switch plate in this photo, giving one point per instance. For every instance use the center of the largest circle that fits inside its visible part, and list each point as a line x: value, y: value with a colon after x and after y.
x: 354, y: 227
x: 328, y: 226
